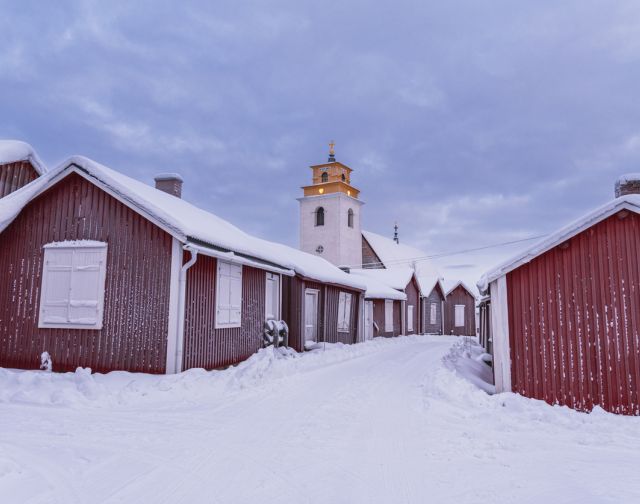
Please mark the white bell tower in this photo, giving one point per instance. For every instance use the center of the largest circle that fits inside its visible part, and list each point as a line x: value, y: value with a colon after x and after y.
x: 330, y: 214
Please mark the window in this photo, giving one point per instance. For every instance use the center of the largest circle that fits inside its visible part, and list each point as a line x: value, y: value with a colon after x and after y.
x: 344, y: 312
x: 350, y: 218
x: 410, y: 317
x: 228, y: 295
x: 73, y: 277
x: 324, y: 177
x: 433, y: 316
x: 343, y: 177
x: 388, y: 315
x: 272, y: 300
x: 320, y: 216
x: 459, y: 315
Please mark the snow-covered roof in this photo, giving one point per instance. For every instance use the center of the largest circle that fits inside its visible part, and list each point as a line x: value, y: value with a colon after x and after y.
x: 629, y: 202
x: 376, y: 289
x: 450, y: 286
x: 183, y: 220
x: 397, y: 255
x: 12, y: 151
x: 396, y: 278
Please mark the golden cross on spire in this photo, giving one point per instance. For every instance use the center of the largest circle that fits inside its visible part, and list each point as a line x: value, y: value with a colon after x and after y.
x: 332, y: 145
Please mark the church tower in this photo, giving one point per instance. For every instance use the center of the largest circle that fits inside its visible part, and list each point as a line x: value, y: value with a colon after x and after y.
x: 330, y: 214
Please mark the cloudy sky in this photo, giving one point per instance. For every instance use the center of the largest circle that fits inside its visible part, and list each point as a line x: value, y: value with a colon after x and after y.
x: 470, y: 123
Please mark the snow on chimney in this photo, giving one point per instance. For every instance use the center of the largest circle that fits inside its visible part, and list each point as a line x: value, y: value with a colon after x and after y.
x: 170, y: 183
x: 628, y: 184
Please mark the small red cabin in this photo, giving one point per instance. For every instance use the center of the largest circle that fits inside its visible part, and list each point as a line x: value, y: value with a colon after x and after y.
x: 460, y: 310
x: 564, y: 317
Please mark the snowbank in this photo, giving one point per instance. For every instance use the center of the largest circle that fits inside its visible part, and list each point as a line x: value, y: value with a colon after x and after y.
x: 121, y: 388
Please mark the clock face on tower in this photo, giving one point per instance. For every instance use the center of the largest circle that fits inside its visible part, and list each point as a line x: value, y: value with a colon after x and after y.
x: 319, y: 249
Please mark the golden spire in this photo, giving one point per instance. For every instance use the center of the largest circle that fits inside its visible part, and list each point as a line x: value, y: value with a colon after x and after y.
x: 332, y: 151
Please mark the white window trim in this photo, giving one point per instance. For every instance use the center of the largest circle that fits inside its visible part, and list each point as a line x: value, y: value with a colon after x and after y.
x: 388, y: 321
x: 278, y: 314
x: 410, y: 317
x: 74, y: 245
x: 455, y: 315
x: 217, y: 323
x: 346, y: 327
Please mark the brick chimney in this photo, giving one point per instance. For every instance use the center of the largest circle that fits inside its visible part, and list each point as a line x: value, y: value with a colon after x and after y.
x: 628, y: 184
x: 171, y: 183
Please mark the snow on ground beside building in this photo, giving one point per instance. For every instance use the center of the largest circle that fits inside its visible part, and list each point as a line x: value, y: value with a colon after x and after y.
x: 391, y: 420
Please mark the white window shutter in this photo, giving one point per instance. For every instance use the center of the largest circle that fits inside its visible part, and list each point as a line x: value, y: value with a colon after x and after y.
x: 228, y: 295
x: 73, y: 280
x: 235, y: 298
x: 344, y: 311
x: 434, y: 312
x: 56, y: 284
x: 410, y: 318
x: 347, y: 312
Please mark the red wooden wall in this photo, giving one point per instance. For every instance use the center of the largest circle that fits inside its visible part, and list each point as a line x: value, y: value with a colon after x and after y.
x: 460, y: 296
x: 207, y: 347
x: 136, y: 302
x: 378, y: 318
x: 574, y: 320
x: 13, y: 176
x: 293, y: 312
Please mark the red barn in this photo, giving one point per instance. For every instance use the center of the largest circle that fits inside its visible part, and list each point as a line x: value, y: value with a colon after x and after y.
x: 460, y: 310
x: 103, y: 271
x: 564, y: 316
x: 19, y: 165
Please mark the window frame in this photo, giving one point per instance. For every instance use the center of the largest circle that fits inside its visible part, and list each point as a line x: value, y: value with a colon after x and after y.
x: 319, y: 211
x: 231, y: 324
x: 75, y: 247
x: 350, y: 218
x: 324, y: 177
x: 410, y: 317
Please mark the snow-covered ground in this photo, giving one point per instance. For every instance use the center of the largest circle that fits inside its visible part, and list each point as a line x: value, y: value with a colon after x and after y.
x: 389, y: 421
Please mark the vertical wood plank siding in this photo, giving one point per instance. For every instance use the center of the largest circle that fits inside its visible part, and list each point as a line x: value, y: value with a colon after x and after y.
x: 435, y: 296
x: 574, y: 320
x: 13, y: 176
x: 460, y: 296
x: 207, y: 347
x: 293, y: 312
x: 413, y: 298
x: 378, y: 318
x: 136, y: 303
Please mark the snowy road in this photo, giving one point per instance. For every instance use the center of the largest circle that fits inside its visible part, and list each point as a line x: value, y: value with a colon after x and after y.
x: 384, y: 422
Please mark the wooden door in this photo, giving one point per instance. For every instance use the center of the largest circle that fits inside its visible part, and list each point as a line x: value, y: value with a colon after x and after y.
x: 310, y: 316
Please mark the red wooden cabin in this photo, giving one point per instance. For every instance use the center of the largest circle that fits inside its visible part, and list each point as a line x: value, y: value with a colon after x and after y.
x: 564, y: 316
x: 460, y: 310
x: 383, y: 307
x: 103, y: 271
